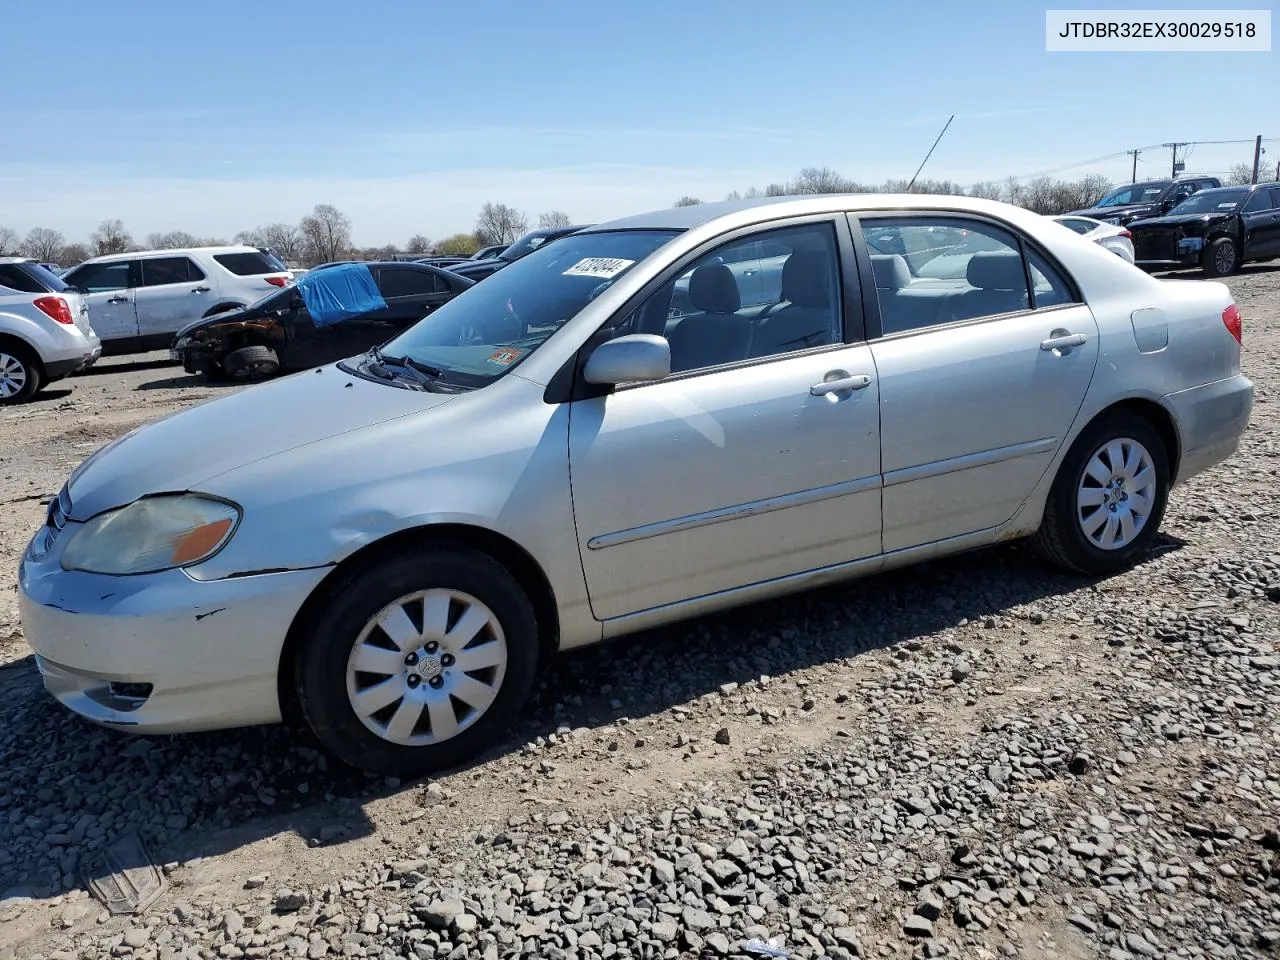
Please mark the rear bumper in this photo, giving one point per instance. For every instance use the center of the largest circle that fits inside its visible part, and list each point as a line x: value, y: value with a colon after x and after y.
x: 1211, y: 419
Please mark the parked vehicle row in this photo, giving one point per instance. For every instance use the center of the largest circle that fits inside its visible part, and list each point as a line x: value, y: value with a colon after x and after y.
x: 616, y: 431
x: 1145, y: 198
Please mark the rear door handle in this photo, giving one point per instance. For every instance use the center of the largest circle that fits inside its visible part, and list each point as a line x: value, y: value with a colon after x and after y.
x: 200, y: 290
x: 857, y: 382
x: 1064, y: 341
x: 117, y: 300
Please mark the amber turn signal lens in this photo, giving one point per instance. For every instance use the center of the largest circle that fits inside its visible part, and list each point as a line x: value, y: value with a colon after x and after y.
x: 200, y: 541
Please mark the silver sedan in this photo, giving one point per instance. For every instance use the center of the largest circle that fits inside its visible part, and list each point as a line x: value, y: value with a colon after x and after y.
x: 644, y: 421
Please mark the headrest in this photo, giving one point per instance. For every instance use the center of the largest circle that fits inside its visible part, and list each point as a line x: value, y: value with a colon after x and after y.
x: 805, y: 277
x: 712, y: 289
x: 996, y: 270
x: 891, y: 270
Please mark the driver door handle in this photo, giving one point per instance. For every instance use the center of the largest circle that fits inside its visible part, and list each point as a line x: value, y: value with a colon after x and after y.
x: 857, y: 382
x: 199, y: 289
x: 1064, y: 342
x: 117, y: 300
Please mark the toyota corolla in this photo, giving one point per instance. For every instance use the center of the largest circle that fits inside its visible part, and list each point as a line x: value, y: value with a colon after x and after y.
x: 386, y: 547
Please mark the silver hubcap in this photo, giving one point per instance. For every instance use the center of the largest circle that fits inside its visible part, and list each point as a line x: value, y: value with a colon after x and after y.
x: 426, y: 667
x: 1226, y: 256
x: 13, y: 375
x: 1117, y: 494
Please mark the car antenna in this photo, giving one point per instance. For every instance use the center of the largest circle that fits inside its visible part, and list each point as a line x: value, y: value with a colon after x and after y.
x: 929, y: 154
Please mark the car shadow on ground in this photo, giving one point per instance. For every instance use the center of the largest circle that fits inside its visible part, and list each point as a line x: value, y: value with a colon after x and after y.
x: 183, y: 380
x: 113, y: 365
x: 206, y: 794
x: 49, y: 394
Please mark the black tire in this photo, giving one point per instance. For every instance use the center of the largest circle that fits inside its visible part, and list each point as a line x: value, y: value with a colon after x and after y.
x: 320, y: 666
x: 251, y: 363
x: 22, y: 364
x: 1060, y: 539
x: 1220, y: 258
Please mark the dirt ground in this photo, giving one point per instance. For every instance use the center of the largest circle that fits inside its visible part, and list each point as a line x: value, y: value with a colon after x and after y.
x: 597, y: 748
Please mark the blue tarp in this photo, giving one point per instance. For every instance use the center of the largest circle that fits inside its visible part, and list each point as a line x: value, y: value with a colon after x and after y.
x: 339, y: 293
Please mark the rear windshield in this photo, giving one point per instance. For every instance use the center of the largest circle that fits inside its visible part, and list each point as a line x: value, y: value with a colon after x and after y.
x: 250, y: 264
x: 30, y: 278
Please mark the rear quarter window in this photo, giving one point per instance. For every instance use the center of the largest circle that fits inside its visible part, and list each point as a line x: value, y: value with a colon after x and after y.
x: 250, y: 264
x: 30, y: 278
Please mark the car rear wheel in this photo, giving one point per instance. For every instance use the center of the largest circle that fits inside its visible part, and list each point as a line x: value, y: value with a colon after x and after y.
x: 1220, y: 258
x: 418, y: 663
x: 251, y: 363
x: 20, y: 374
x: 1109, y: 497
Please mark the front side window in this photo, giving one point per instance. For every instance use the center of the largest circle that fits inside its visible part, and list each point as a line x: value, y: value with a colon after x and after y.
x: 760, y: 296
x: 493, y: 326
x: 1260, y: 201
x: 158, y: 271
x: 101, y: 277
x: 926, y: 277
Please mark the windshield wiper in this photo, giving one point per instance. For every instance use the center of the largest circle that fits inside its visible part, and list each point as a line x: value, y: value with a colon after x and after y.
x: 426, y: 371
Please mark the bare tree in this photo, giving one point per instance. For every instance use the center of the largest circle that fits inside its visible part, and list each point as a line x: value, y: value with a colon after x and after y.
x: 74, y: 253
x: 987, y: 190
x: 44, y: 243
x: 554, y: 218
x: 8, y: 241
x: 283, y: 239
x: 459, y: 245
x: 171, y: 240
x: 499, y: 223
x: 110, y: 237
x: 251, y: 238
x: 326, y: 233
x: 776, y: 190
x: 418, y: 244
x: 820, y: 180
x: 1241, y: 175
x: 687, y: 201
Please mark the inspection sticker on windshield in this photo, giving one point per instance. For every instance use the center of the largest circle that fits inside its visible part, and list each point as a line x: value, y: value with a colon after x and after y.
x: 505, y: 356
x: 604, y: 267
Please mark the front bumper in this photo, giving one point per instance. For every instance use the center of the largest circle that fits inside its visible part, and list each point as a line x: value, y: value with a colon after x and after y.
x: 1211, y: 419
x: 160, y: 653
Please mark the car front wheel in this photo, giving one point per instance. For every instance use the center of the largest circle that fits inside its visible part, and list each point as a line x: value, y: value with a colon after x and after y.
x: 1221, y: 258
x: 1109, y: 497
x: 418, y: 663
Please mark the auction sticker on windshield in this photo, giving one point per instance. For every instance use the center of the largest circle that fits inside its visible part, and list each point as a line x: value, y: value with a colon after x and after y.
x: 604, y: 267
x: 505, y: 356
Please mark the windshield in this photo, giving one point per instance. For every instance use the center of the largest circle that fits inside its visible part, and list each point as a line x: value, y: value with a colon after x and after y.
x: 525, y: 245
x: 481, y: 334
x: 1135, y: 193
x: 1211, y: 201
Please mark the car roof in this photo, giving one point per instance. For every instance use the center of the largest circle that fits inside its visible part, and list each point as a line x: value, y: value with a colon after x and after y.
x: 176, y: 251
x: 18, y: 260
x: 1243, y: 186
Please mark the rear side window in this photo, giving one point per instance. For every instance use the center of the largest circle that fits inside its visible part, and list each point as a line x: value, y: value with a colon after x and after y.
x: 250, y: 264
x: 29, y: 278
x: 159, y: 271
x: 100, y: 277
x: 1076, y: 224
x: 401, y: 282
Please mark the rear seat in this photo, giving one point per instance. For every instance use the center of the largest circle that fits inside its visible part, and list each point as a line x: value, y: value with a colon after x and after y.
x: 901, y: 306
x: 996, y: 284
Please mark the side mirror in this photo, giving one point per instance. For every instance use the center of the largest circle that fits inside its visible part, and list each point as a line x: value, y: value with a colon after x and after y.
x: 635, y: 358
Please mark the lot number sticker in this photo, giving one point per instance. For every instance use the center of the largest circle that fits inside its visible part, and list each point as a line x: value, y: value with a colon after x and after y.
x: 606, y: 268
x: 505, y: 356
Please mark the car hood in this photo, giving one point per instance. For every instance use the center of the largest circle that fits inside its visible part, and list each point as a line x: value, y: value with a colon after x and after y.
x: 184, y: 450
x: 204, y: 322
x: 1182, y: 220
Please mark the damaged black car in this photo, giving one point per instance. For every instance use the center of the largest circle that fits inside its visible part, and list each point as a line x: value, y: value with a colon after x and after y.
x: 330, y: 313
x: 1216, y: 230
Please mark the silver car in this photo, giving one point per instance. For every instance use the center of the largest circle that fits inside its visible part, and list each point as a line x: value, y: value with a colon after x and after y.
x: 45, y: 333
x: 386, y: 548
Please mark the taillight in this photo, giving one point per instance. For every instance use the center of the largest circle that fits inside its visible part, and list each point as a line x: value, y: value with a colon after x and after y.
x: 276, y: 281
x: 1231, y: 320
x: 55, y: 307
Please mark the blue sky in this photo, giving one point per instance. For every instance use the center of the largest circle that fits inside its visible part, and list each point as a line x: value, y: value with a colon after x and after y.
x: 408, y: 115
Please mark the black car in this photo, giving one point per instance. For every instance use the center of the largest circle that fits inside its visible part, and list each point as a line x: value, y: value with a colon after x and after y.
x: 1216, y: 230
x: 479, y: 269
x: 1146, y: 198
x: 279, y: 333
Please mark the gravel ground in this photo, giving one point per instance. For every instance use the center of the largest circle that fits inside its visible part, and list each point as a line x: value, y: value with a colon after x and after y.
x: 972, y: 758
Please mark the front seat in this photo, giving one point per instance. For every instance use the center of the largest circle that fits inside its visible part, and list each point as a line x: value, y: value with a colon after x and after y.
x: 716, y: 334
x: 806, y: 316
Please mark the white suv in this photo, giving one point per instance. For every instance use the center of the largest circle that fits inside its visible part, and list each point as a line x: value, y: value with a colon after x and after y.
x: 44, y: 330
x: 138, y: 301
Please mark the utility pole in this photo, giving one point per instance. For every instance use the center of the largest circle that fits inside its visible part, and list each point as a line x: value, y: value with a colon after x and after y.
x: 1174, y: 148
x: 1257, y: 157
x: 1134, y: 154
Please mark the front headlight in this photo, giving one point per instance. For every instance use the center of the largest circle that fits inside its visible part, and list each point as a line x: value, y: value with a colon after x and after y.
x: 152, y: 534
